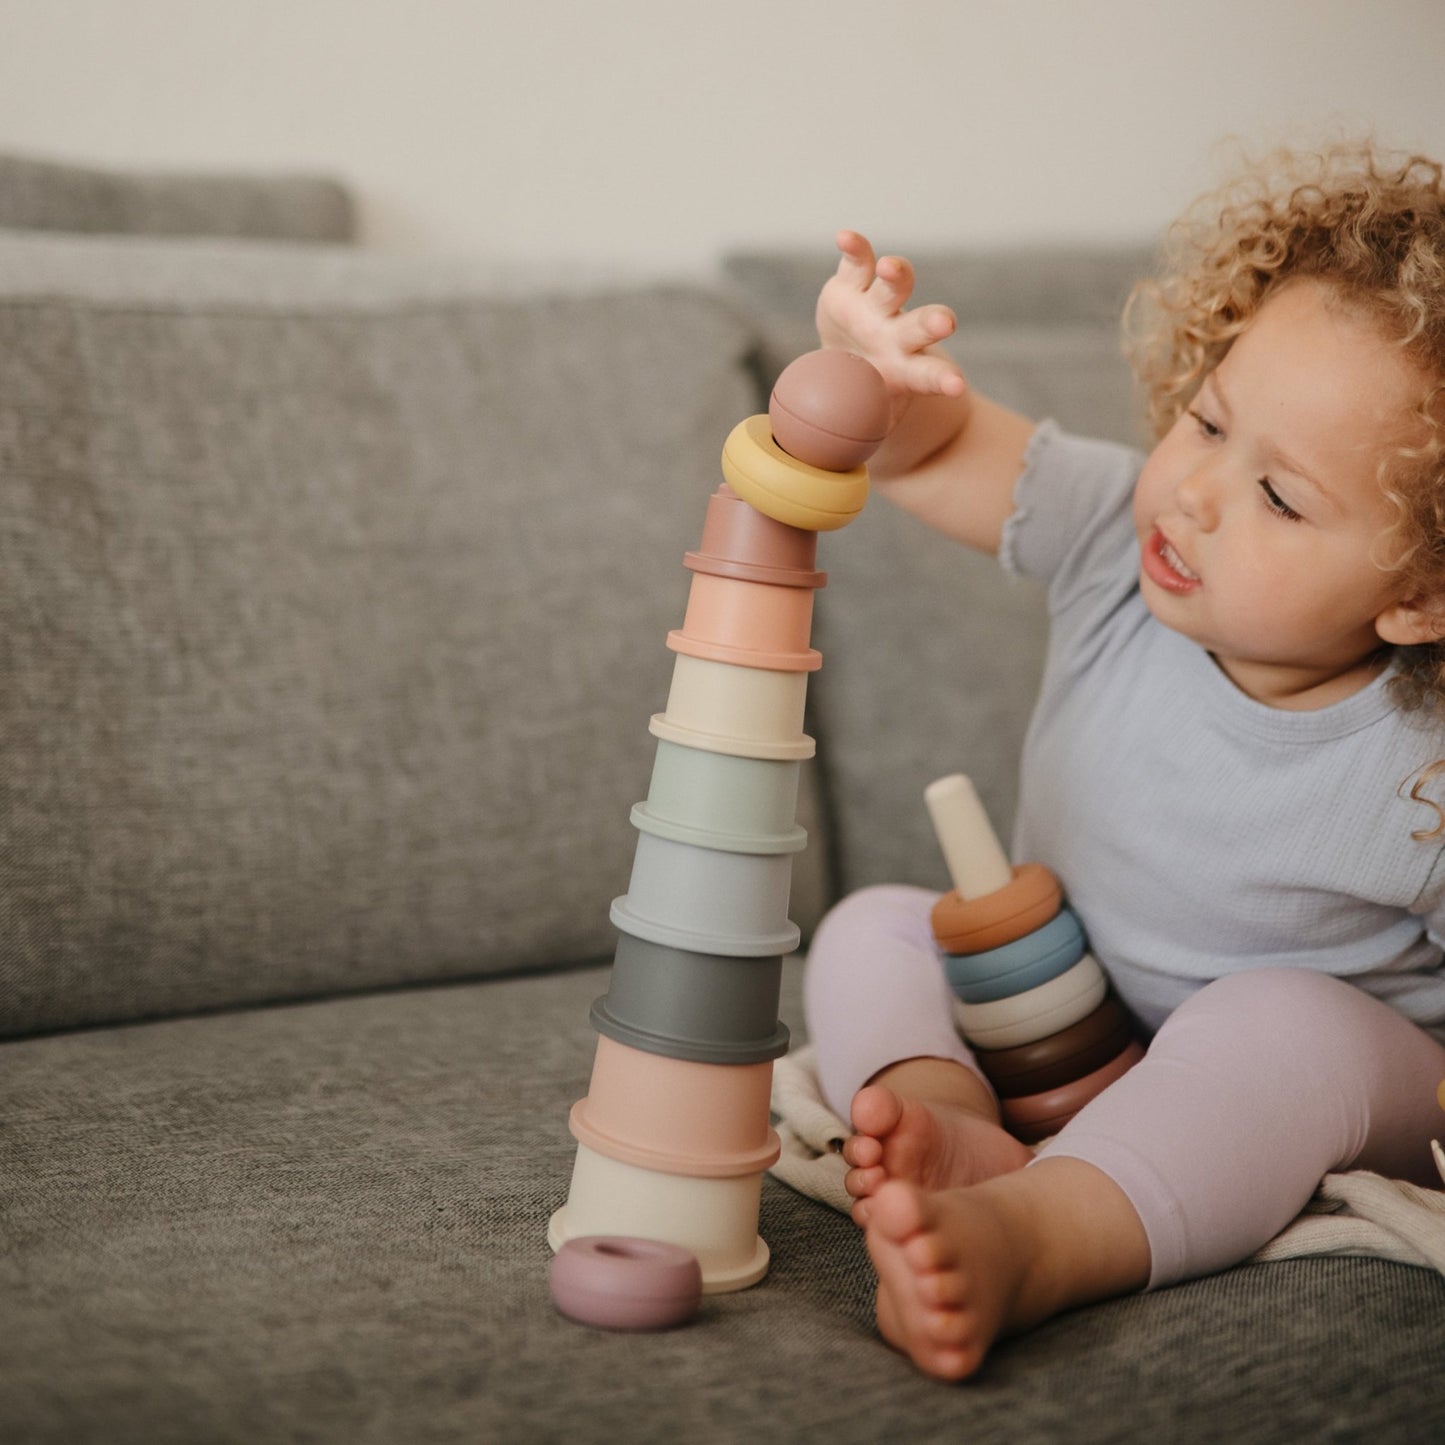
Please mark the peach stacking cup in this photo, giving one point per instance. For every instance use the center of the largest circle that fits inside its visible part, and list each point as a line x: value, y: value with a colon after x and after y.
x: 740, y: 541
x: 749, y: 624
x: 717, y: 1219
x: 709, y: 1121
x: 751, y: 712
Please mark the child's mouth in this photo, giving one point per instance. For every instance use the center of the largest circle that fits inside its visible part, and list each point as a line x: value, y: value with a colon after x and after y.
x: 1164, y: 565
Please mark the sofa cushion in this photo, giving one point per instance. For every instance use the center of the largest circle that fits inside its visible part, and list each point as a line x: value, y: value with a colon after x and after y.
x: 327, y: 1222
x: 335, y: 607
x: 45, y: 195
x: 936, y: 654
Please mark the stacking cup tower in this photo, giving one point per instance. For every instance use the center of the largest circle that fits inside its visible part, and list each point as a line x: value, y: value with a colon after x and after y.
x: 673, y: 1137
x: 1032, y: 1001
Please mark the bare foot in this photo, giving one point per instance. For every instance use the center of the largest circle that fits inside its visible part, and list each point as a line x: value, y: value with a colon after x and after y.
x: 960, y: 1267
x: 934, y: 1143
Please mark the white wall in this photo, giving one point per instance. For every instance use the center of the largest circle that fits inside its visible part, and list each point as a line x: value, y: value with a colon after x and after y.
x: 652, y: 134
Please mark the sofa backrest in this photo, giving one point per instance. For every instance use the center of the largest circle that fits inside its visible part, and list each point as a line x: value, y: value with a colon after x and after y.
x: 335, y: 605
x: 45, y: 195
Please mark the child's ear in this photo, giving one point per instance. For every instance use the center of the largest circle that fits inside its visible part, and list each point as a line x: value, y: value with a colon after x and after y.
x: 1407, y: 624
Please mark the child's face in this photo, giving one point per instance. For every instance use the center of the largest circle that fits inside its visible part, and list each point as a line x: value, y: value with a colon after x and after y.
x: 1259, y: 513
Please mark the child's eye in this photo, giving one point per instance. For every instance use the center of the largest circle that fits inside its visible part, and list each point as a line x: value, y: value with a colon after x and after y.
x: 1205, y: 425
x: 1276, y: 503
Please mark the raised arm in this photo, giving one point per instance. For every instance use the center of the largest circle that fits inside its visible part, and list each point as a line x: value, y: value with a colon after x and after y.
x: 952, y: 457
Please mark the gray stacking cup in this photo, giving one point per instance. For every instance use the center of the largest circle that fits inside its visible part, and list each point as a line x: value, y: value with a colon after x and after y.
x: 707, y: 899
x: 718, y: 800
x: 706, y: 1008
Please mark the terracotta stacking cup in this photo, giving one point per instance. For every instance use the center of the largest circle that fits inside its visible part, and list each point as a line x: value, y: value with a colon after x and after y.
x: 706, y: 1007
x: 717, y: 1219
x: 1037, y: 1116
x: 1036, y: 1013
x: 750, y: 712
x: 1062, y: 1057
x: 740, y: 541
x: 707, y: 899
x: 749, y: 624
x: 718, y: 800
x: 706, y: 1120
x: 1023, y: 964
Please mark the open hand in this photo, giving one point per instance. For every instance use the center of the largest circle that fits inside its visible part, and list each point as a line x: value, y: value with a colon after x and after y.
x: 862, y: 308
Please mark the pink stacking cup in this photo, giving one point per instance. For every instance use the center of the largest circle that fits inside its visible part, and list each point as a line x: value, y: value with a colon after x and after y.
x: 709, y: 1121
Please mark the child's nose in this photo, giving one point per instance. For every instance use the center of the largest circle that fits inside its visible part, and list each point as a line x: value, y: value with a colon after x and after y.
x: 1198, y: 498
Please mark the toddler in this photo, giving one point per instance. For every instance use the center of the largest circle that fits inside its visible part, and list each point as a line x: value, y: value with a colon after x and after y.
x: 1229, y: 765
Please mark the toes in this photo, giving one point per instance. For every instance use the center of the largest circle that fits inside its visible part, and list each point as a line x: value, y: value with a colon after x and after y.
x: 863, y: 1151
x: 876, y: 1110
x: 900, y: 1211
x: 861, y: 1183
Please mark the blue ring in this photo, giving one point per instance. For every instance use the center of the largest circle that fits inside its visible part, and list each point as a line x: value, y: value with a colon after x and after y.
x: 1023, y: 964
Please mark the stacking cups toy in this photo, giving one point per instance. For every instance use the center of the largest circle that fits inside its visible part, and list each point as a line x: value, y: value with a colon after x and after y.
x: 719, y: 800
x: 740, y: 541
x: 749, y: 624
x: 715, y: 1218
x: 707, y: 1007
x: 673, y: 1136
x: 787, y: 489
x: 751, y: 712
x: 708, y: 900
x: 703, y: 1120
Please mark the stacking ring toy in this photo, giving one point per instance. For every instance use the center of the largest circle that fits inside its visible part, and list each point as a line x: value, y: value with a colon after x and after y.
x: 1037, y: 1013
x: 782, y: 487
x: 1060, y: 1058
x: 1036, y: 1116
x: 619, y: 1283
x: 1018, y: 966
x: 972, y: 925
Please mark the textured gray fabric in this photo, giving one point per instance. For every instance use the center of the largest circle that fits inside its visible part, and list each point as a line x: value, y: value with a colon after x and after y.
x: 330, y: 633
x: 327, y: 1222
x: 46, y: 195
x: 935, y: 654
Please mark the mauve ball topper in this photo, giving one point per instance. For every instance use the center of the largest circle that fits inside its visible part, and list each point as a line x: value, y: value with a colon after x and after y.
x: 829, y: 409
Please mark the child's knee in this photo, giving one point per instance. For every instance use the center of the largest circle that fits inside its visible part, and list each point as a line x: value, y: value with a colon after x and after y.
x: 1284, y: 1018
x: 885, y: 911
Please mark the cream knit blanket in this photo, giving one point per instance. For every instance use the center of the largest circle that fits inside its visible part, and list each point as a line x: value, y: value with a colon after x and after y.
x: 1354, y: 1213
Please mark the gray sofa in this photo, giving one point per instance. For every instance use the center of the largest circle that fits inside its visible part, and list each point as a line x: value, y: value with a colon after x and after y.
x: 334, y: 596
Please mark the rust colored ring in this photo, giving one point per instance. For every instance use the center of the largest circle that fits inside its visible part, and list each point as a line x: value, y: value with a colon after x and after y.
x: 974, y: 925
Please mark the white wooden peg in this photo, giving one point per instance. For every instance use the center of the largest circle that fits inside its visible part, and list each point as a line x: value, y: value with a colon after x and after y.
x: 976, y: 860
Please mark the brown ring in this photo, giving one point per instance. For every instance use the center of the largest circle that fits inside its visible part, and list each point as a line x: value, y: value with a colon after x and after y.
x: 973, y: 925
x: 1013, y: 1071
x: 1063, y: 1103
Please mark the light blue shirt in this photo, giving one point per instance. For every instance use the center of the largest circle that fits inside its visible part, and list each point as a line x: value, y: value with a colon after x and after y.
x: 1198, y: 832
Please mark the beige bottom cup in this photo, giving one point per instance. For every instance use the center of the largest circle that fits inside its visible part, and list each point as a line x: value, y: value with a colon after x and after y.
x: 717, y: 1219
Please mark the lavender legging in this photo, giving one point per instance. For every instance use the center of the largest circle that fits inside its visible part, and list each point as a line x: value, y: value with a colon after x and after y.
x: 1253, y: 1090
